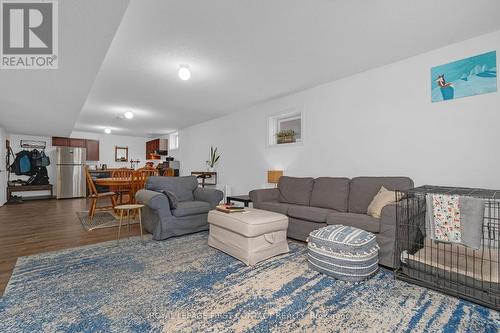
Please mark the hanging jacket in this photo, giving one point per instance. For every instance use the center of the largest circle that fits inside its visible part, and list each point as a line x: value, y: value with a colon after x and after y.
x: 39, y: 158
x: 23, y: 164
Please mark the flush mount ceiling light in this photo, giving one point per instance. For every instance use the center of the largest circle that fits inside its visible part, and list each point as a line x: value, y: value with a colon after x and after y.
x: 107, y: 131
x: 184, y: 72
x: 128, y: 115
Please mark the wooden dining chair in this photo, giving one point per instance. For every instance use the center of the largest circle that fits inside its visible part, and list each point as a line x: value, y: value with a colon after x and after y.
x: 148, y: 171
x: 121, y: 190
x: 94, y: 196
x: 169, y: 172
x: 139, y: 178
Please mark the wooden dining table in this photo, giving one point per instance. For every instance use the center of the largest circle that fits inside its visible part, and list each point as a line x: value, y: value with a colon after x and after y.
x: 116, y: 183
x: 113, y: 181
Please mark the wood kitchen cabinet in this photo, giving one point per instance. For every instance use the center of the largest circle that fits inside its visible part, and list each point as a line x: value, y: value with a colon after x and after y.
x: 79, y: 143
x: 91, y: 145
x: 58, y: 141
x: 92, y: 150
x: 153, y: 146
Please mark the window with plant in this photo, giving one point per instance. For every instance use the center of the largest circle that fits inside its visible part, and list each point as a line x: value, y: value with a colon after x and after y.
x: 285, y: 128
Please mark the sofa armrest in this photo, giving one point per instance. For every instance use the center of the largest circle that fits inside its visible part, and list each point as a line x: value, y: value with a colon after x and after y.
x: 388, y: 220
x: 212, y: 196
x: 263, y: 195
x: 155, y: 201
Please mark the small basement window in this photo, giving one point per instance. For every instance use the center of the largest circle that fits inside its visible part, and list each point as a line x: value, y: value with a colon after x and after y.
x: 173, y: 141
x: 285, y: 128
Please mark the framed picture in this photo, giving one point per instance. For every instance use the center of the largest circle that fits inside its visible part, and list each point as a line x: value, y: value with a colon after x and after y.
x: 467, y: 77
x: 121, y: 154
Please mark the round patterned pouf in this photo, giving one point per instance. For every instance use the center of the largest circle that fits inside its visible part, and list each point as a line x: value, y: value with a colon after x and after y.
x: 343, y: 252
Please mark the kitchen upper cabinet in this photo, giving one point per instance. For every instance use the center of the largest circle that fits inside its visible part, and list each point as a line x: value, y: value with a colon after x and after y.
x: 91, y: 145
x: 151, y: 148
x: 79, y: 143
x: 154, y: 147
x: 58, y: 141
x: 92, y: 150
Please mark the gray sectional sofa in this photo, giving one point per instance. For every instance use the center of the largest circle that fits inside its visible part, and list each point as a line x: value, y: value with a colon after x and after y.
x: 311, y: 204
x: 190, y: 215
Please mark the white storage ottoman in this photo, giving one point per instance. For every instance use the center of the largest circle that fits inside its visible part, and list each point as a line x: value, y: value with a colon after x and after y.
x: 250, y: 236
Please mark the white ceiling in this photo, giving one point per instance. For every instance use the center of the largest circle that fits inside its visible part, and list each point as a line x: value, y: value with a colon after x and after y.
x: 241, y: 53
x: 48, y: 102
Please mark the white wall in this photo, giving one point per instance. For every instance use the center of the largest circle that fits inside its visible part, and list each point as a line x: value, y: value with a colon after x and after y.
x: 107, y: 142
x: 380, y: 122
x: 3, y: 171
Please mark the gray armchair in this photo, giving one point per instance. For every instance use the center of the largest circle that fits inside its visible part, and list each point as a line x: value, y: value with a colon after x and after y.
x: 191, y: 212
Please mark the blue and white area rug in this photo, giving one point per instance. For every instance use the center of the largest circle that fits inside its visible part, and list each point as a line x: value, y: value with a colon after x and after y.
x: 182, y: 285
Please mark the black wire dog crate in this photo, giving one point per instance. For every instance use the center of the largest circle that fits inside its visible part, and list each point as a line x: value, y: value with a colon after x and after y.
x: 452, y: 268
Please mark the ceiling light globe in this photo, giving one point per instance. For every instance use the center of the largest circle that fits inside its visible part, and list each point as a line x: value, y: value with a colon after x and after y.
x: 184, y: 73
x: 129, y: 115
x: 107, y: 131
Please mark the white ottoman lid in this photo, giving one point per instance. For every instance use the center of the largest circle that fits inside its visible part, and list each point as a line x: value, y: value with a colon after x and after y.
x: 250, y: 223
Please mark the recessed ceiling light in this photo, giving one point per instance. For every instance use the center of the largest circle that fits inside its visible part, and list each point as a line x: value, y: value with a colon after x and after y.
x: 129, y: 115
x: 107, y: 131
x: 184, y: 72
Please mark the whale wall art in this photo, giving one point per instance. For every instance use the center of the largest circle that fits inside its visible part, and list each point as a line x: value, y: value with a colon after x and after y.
x: 467, y: 77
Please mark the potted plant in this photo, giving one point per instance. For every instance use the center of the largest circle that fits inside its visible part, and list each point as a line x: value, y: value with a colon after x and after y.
x: 214, y: 158
x: 285, y: 136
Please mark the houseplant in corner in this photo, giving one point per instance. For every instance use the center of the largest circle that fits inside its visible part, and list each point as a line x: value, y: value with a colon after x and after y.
x: 214, y: 158
x: 285, y: 136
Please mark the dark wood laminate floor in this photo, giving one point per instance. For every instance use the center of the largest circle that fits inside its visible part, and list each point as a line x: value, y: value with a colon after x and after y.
x: 41, y: 226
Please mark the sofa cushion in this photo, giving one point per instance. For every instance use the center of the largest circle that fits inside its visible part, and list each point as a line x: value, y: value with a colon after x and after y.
x: 182, y: 187
x: 187, y: 208
x: 363, y: 190
x: 313, y: 214
x: 300, y: 229
x: 360, y: 221
x: 329, y: 192
x: 273, y: 206
x: 295, y: 190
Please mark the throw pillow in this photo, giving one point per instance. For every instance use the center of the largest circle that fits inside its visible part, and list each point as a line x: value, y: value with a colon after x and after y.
x: 383, y: 198
x: 172, y: 199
